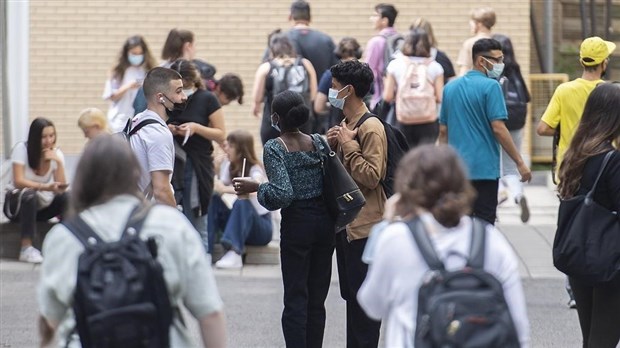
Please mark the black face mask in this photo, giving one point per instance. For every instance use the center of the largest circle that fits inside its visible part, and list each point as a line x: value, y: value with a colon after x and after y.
x: 177, y: 107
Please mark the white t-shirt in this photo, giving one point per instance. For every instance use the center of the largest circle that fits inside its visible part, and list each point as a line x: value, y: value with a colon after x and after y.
x: 153, y: 145
x: 20, y: 156
x: 390, y: 290
x: 256, y: 172
x: 122, y: 110
x: 187, y: 272
x: 398, y: 66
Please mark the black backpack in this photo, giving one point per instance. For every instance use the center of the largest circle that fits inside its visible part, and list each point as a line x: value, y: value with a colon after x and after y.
x: 120, y: 299
x: 462, y: 308
x: 516, y: 102
x: 397, y: 148
x: 128, y: 131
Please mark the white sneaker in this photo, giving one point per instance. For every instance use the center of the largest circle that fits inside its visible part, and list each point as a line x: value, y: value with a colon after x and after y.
x: 230, y: 260
x: 30, y: 254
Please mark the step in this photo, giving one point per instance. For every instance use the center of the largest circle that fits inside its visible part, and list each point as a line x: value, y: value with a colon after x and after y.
x: 254, y: 255
x: 10, y: 238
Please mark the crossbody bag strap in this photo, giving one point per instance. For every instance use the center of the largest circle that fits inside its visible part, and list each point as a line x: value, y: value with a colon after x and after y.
x: 590, y: 194
x: 425, y: 245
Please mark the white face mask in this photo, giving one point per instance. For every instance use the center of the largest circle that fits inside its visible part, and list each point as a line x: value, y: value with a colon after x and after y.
x: 189, y: 92
x: 333, y: 98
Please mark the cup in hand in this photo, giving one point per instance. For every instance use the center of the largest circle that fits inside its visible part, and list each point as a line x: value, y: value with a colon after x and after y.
x: 238, y: 186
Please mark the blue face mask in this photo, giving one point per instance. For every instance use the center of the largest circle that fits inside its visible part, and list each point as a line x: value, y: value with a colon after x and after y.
x: 333, y: 98
x: 496, y: 72
x: 135, y: 59
x: 275, y: 124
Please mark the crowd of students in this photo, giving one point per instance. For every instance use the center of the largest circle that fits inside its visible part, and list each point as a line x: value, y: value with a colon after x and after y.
x: 306, y: 88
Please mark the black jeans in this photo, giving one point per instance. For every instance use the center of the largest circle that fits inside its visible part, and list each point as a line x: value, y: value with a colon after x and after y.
x: 485, y: 205
x: 306, y: 249
x: 362, y: 331
x: 29, y: 212
x: 598, y: 308
x: 420, y: 134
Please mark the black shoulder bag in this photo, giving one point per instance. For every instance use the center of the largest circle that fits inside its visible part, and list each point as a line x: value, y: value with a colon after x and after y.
x: 587, y: 241
x: 342, y: 196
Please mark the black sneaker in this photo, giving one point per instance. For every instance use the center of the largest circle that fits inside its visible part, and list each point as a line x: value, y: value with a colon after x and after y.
x: 572, y: 304
x: 525, y: 210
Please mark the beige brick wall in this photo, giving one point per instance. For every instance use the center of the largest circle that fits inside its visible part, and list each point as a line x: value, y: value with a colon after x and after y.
x: 73, y: 44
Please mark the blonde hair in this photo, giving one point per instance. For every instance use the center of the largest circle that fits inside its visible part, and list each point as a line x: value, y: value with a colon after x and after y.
x: 93, y: 117
x: 484, y: 15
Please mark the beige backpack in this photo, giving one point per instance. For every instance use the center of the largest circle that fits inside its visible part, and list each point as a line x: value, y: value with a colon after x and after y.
x: 415, y: 97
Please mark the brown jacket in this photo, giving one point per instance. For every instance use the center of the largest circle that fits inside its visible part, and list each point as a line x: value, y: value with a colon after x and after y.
x: 366, y: 161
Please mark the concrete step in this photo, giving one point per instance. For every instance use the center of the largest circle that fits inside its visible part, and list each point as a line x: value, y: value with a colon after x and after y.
x: 254, y: 255
x: 10, y: 238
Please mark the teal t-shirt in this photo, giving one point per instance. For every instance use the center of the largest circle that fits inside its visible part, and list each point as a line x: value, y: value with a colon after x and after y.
x: 469, y: 105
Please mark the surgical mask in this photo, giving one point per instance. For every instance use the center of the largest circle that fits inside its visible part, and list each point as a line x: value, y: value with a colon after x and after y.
x: 274, y: 125
x: 188, y: 92
x: 135, y: 59
x: 496, y: 72
x: 333, y: 98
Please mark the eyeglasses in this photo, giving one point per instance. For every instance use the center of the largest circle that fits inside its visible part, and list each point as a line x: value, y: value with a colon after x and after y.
x: 495, y: 59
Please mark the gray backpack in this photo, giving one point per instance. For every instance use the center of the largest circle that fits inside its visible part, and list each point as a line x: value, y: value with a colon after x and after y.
x: 293, y: 77
x: 461, y: 308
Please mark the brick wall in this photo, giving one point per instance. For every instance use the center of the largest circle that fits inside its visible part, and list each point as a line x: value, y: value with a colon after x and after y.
x: 74, y: 44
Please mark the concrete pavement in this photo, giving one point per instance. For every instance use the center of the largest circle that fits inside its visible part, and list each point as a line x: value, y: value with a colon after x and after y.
x: 253, y: 296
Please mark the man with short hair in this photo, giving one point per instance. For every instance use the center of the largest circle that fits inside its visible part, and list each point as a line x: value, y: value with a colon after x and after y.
x: 480, y: 23
x: 472, y: 121
x: 383, y: 21
x: 569, y: 99
x: 315, y: 46
x: 363, y: 151
x: 153, y: 144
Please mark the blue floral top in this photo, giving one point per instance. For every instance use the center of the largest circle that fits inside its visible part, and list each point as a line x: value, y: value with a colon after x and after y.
x: 292, y: 175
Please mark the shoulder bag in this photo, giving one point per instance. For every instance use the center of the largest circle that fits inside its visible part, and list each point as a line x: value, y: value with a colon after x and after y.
x: 343, y: 198
x: 587, y: 241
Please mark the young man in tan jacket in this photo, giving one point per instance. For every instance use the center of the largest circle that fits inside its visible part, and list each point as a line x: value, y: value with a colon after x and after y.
x: 363, y: 151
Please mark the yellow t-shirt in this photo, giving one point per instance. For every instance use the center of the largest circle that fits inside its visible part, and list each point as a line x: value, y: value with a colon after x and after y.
x: 565, y: 108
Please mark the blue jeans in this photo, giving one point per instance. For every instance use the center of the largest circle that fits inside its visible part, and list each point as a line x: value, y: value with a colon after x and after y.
x: 193, y: 214
x: 241, y: 225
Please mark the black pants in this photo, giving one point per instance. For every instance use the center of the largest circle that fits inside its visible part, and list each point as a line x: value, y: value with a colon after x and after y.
x: 485, y: 205
x: 420, y: 134
x: 306, y: 249
x: 29, y: 212
x: 598, y: 308
x: 362, y: 331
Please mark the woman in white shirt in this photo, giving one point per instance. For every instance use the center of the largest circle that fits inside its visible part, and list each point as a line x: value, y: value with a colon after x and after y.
x: 432, y: 185
x: 126, y: 77
x: 246, y: 222
x: 104, y: 194
x: 37, y: 188
x: 416, y: 52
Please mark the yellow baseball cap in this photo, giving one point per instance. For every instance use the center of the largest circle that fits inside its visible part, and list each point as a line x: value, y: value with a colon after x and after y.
x: 594, y: 50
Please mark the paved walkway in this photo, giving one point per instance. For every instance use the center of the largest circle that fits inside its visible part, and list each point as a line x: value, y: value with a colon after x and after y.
x: 253, y: 295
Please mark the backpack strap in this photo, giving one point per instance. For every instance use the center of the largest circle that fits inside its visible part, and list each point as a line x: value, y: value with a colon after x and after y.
x: 139, y: 126
x: 478, y: 244
x: 83, y: 232
x: 425, y: 245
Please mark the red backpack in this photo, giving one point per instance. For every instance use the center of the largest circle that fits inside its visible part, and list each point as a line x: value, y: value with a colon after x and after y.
x: 415, y: 97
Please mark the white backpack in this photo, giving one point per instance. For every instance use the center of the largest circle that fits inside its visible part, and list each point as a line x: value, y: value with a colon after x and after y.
x: 415, y: 97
